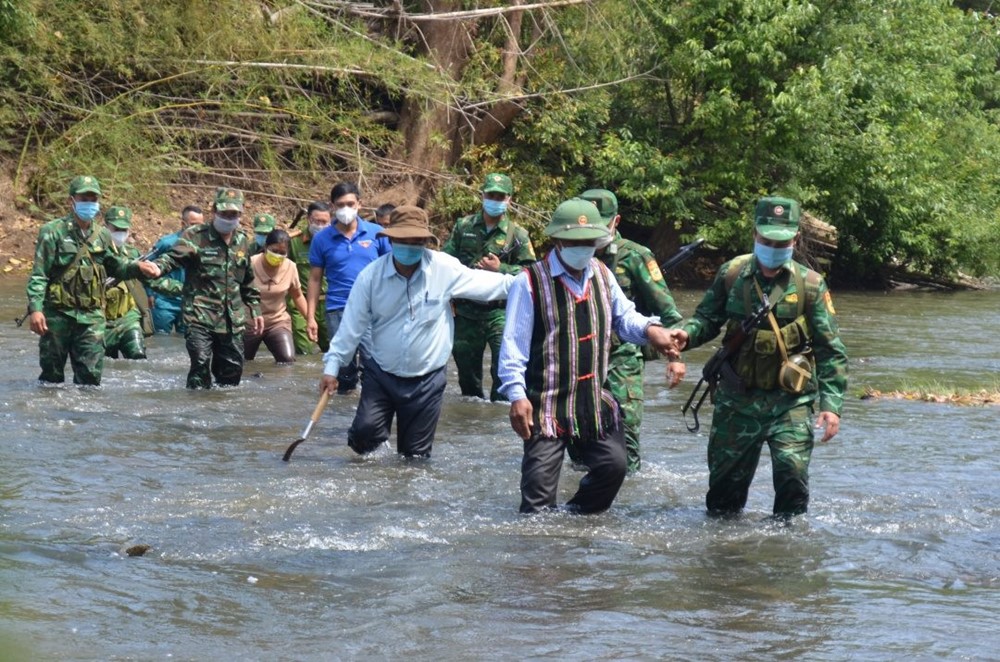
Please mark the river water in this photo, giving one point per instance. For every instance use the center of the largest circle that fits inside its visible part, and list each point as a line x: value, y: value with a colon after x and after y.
x: 332, y: 556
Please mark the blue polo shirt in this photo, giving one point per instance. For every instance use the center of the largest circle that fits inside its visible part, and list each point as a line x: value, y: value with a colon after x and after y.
x: 343, y: 259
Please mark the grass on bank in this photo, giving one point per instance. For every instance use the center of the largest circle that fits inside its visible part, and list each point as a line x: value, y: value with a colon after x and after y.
x: 938, y: 393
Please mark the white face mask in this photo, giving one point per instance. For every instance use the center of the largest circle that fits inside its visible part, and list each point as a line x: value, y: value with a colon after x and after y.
x: 314, y: 228
x: 346, y: 215
x: 119, y: 237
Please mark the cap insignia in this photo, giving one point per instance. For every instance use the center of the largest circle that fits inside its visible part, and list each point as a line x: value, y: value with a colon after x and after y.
x: 582, y: 220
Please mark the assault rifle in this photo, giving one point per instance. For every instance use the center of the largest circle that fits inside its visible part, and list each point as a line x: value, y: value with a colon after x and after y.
x: 683, y: 255
x: 509, y: 250
x: 718, y: 367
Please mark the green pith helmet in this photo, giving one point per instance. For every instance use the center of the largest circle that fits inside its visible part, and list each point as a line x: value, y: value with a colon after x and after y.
x: 84, y: 184
x: 576, y: 219
x: 777, y: 219
x: 605, y: 200
x: 263, y: 223
x: 499, y: 183
x: 228, y: 199
x: 118, y: 217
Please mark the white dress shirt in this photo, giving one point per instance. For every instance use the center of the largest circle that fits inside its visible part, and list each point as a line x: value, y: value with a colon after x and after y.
x: 412, y: 326
x: 626, y: 322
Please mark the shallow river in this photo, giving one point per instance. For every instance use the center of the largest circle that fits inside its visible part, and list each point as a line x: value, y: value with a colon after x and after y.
x: 332, y: 556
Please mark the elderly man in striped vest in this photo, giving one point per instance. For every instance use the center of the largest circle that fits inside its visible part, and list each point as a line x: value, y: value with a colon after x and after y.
x: 561, y: 312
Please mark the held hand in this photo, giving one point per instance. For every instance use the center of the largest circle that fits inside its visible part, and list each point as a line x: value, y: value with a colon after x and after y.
x: 258, y: 326
x: 489, y: 263
x: 675, y: 373
x: 329, y: 384
x: 520, y: 418
x: 149, y: 269
x: 661, y: 340
x: 831, y: 422
x: 36, y: 321
x: 312, y: 329
x: 679, y: 338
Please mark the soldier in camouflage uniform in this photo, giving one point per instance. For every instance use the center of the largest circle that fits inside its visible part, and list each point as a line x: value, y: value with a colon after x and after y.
x: 66, y: 288
x: 486, y: 240
x: 318, y: 218
x: 761, y: 398
x: 218, y: 292
x: 127, y: 307
x: 639, y: 276
x: 262, y: 225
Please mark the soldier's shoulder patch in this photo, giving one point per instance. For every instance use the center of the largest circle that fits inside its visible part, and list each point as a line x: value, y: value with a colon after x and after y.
x: 240, y: 255
x: 828, y: 300
x: 654, y: 269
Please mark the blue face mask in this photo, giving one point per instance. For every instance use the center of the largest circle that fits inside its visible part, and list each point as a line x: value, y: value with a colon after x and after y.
x: 770, y: 257
x: 577, y: 257
x: 260, y: 240
x: 494, y: 208
x: 406, y: 254
x: 225, y: 225
x: 86, y: 211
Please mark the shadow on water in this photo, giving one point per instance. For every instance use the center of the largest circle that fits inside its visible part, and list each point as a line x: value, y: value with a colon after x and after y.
x: 336, y: 556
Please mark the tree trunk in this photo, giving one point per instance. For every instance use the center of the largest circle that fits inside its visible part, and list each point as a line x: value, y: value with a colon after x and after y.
x: 431, y: 136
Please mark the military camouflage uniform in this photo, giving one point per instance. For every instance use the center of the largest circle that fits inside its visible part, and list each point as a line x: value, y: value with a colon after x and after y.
x: 479, y: 324
x: 298, y: 252
x: 638, y: 274
x: 71, y: 293
x: 123, y: 332
x: 217, y: 293
x: 743, y: 421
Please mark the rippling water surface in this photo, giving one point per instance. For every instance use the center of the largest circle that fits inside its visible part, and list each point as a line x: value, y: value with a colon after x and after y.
x: 335, y: 556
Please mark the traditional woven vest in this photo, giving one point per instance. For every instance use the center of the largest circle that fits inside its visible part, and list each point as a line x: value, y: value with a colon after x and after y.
x: 568, y: 363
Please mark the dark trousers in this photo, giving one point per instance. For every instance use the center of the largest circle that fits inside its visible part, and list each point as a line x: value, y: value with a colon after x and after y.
x: 82, y: 342
x: 218, y: 355
x: 542, y: 463
x: 350, y: 374
x: 414, y: 401
x: 278, y: 341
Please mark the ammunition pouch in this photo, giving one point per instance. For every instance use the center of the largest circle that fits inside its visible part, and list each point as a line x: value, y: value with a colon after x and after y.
x: 79, y: 287
x: 761, y: 363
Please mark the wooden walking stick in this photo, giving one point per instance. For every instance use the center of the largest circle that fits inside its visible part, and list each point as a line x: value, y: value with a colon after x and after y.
x: 317, y: 412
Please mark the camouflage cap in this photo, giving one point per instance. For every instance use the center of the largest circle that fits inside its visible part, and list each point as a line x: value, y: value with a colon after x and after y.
x: 577, y: 219
x: 84, y: 184
x: 499, y: 183
x: 228, y: 199
x: 777, y: 219
x: 118, y: 217
x: 605, y: 201
x: 263, y: 223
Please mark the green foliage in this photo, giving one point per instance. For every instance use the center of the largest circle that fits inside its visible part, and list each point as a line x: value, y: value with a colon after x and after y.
x: 880, y: 116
